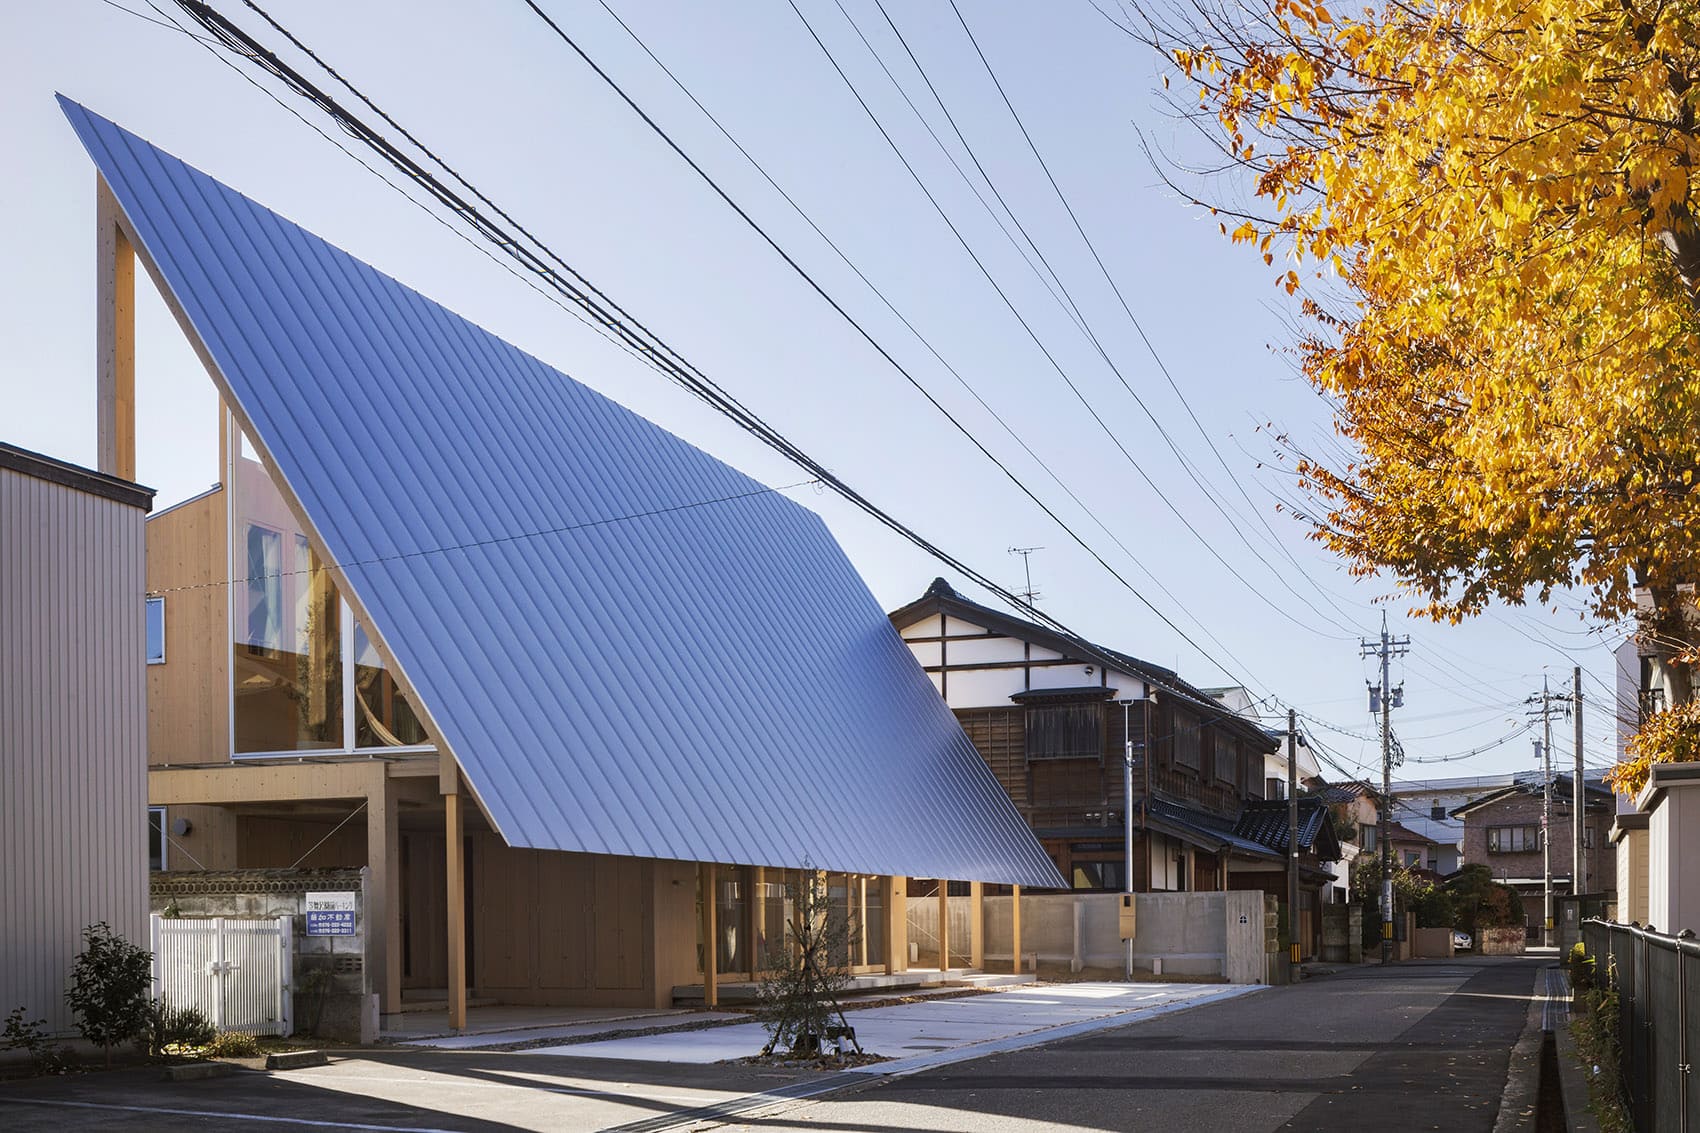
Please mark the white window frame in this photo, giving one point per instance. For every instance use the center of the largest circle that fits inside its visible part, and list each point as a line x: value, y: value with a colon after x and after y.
x: 155, y: 602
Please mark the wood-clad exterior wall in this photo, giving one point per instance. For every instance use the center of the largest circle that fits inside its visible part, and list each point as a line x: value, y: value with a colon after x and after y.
x: 73, y: 723
x: 188, y: 696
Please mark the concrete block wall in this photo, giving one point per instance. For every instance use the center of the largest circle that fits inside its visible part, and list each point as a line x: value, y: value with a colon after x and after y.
x: 1212, y: 936
x: 347, y: 1009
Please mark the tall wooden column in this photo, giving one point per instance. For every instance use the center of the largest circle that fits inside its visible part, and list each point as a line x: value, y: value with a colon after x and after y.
x: 944, y: 924
x: 383, y: 898
x: 1015, y: 927
x: 710, y: 954
x: 977, y: 925
x: 115, y: 338
x: 896, y: 923
x: 454, y: 831
x: 758, y: 921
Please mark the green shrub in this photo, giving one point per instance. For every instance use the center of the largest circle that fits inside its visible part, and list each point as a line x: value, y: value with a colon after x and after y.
x: 177, y: 1030
x: 1580, y: 967
x: 232, y: 1044
x: 30, y: 1036
x: 108, y: 994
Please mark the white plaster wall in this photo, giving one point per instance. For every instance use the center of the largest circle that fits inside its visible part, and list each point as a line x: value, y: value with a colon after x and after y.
x: 1673, y: 898
x: 979, y: 651
x: 926, y: 627
x: 983, y: 688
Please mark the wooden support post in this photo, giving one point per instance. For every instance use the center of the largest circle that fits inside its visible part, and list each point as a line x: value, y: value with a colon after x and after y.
x: 1015, y: 927
x: 115, y: 338
x: 977, y: 925
x: 897, y: 924
x: 758, y: 921
x: 710, y: 958
x: 944, y: 924
x: 455, y: 833
x: 383, y: 901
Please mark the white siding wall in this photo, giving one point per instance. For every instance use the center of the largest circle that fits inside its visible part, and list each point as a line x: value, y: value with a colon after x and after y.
x: 73, y: 733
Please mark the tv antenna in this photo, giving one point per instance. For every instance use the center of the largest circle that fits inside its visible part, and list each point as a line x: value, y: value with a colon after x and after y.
x: 1029, y: 595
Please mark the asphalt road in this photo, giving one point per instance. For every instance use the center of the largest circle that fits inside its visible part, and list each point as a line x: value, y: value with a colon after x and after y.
x: 1418, y: 1046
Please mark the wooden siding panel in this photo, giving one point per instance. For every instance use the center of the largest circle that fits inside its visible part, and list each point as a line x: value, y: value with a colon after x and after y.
x: 999, y: 734
x: 618, y: 916
x: 188, y: 696
x: 504, y: 899
x: 563, y: 898
x: 72, y: 733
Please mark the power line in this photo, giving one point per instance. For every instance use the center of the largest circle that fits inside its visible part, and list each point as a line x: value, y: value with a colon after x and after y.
x: 1085, y: 402
x: 615, y: 317
x: 911, y: 327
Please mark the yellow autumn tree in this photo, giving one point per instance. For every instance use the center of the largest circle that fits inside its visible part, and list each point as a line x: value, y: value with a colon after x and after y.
x: 1487, y: 209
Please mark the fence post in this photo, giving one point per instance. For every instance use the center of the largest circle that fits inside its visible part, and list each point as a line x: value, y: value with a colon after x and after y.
x: 286, y: 973
x: 1681, y: 1035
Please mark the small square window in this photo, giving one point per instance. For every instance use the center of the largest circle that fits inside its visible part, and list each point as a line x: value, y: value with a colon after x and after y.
x: 156, y: 631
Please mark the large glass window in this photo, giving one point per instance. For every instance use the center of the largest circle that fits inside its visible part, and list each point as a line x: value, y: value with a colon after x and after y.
x: 286, y: 659
x: 306, y: 676
x: 383, y: 716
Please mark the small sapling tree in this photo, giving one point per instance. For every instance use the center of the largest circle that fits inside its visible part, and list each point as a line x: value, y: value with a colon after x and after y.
x: 798, y: 1000
x: 108, y: 992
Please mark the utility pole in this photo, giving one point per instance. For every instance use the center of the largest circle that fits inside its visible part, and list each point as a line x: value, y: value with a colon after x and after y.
x: 1387, y: 648
x: 1546, y: 699
x: 1127, y: 814
x: 1293, y: 837
x: 1578, y: 807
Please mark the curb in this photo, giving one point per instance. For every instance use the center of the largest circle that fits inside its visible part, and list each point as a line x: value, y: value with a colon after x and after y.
x: 295, y: 1059
x: 1573, y: 1084
x: 196, y: 1071
x: 1518, y: 1105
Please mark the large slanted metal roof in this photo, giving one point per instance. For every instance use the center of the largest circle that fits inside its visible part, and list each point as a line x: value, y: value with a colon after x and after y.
x: 629, y: 647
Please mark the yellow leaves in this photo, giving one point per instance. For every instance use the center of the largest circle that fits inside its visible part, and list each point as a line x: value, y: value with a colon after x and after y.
x: 1491, y: 179
x: 1666, y: 737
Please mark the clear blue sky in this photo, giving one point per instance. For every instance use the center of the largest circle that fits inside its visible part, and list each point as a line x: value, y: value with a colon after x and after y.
x: 498, y: 96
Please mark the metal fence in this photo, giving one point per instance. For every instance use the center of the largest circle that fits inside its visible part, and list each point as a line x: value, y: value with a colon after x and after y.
x: 236, y: 971
x: 1657, y: 979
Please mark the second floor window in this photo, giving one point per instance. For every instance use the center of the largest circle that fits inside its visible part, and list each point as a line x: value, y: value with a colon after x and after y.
x: 1513, y: 839
x: 1065, y: 731
x: 156, y: 631
x: 1186, y: 742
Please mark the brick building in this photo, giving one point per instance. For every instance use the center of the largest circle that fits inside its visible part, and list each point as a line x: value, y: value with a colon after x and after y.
x: 1502, y: 830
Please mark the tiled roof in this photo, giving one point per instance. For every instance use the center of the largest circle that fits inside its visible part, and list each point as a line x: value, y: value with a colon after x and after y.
x: 1267, y: 822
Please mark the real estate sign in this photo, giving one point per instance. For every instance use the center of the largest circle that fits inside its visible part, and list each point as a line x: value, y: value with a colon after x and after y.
x: 331, y: 914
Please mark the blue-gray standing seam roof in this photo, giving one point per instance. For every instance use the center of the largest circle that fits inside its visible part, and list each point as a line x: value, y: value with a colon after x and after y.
x: 629, y: 647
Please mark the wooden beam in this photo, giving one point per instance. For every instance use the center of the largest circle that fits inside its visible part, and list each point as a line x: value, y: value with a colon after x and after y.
x: 1015, y: 927
x: 976, y: 925
x: 115, y: 337
x: 710, y: 958
x: 454, y: 831
x: 944, y: 924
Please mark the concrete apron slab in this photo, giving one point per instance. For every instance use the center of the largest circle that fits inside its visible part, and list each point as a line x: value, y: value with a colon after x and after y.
x: 925, y: 1030
x: 1135, y: 1007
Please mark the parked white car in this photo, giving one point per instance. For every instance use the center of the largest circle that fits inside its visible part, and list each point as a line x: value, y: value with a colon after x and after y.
x: 1461, y: 941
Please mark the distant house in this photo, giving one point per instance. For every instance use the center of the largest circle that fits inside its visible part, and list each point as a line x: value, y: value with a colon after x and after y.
x: 1425, y: 807
x: 75, y: 639
x: 1352, y: 806
x: 1412, y: 849
x: 1053, y: 716
x: 1502, y: 830
x: 527, y: 658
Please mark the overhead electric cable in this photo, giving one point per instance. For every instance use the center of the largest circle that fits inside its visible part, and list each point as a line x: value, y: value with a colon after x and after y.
x: 621, y: 321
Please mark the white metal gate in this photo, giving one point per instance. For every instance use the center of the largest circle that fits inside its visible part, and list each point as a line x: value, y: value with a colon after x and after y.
x: 236, y: 971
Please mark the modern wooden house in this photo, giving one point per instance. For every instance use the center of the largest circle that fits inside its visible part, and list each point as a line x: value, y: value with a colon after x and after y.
x: 531, y: 660
x: 1053, y: 717
x: 73, y: 792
